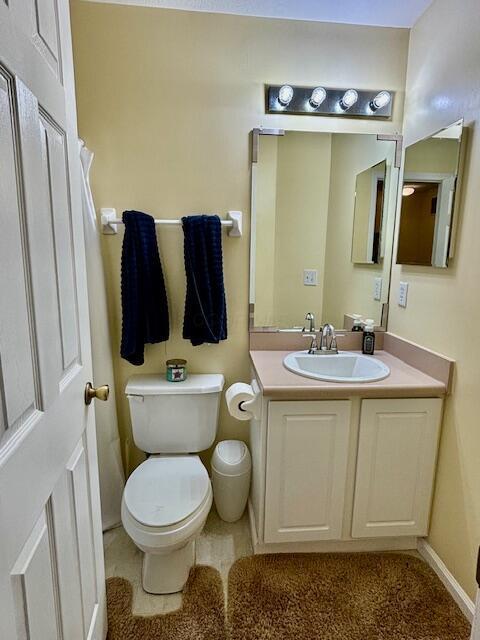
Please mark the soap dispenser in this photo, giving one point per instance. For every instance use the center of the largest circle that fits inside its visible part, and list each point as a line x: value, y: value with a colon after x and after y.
x: 368, y: 345
x: 357, y: 322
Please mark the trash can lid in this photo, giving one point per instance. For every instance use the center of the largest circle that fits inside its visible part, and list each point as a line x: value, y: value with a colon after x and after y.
x: 231, y: 457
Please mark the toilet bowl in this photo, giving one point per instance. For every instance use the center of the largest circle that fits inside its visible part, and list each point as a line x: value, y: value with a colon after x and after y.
x: 165, y: 504
x: 167, y: 498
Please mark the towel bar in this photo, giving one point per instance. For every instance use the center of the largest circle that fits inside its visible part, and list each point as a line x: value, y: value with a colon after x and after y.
x: 110, y: 221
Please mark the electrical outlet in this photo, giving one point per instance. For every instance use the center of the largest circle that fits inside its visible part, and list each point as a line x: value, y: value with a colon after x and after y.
x: 377, y: 288
x: 310, y: 277
x: 403, y: 294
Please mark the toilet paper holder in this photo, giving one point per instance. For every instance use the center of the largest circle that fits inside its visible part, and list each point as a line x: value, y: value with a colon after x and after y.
x: 253, y: 406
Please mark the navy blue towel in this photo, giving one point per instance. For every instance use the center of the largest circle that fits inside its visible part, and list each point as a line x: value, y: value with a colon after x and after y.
x: 144, y: 299
x: 205, y: 306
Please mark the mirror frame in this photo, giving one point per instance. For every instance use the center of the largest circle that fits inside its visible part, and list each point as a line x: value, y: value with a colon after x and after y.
x: 255, y: 143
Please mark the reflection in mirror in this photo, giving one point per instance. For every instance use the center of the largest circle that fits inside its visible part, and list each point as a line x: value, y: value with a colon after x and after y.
x: 319, y: 244
x: 429, y: 182
x: 368, y: 216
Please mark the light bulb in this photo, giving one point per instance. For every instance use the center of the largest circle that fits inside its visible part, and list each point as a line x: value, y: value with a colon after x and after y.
x: 318, y: 96
x: 285, y: 95
x: 408, y: 191
x: 380, y: 100
x: 349, y: 99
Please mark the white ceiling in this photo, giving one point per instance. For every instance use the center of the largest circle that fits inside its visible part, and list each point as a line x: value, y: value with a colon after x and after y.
x: 384, y: 13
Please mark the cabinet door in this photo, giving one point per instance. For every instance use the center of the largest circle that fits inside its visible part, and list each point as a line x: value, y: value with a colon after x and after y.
x: 307, y: 451
x: 395, y: 467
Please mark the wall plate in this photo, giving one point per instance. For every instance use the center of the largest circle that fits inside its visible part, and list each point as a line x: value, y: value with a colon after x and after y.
x: 310, y: 277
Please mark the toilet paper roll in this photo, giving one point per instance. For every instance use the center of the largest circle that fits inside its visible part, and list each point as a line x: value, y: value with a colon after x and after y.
x: 234, y: 396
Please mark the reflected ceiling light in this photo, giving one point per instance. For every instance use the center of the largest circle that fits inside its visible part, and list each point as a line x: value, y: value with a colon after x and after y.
x: 318, y: 96
x: 349, y: 99
x: 407, y: 191
x: 380, y: 100
x: 285, y: 95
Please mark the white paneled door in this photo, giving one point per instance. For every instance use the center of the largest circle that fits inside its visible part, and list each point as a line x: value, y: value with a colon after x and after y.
x: 51, y: 559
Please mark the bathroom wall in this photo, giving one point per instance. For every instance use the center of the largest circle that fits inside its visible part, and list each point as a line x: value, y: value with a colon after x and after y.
x: 266, y: 195
x: 292, y: 190
x: 349, y: 287
x: 443, y: 311
x: 166, y: 100
x: 303, y: 178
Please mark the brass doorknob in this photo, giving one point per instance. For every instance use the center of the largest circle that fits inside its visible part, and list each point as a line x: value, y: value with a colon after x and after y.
x: 100, y: 393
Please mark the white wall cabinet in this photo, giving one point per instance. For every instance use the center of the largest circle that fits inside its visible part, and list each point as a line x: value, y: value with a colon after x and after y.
x: 395, y: 467
x: 307, y: 452
x: 355, y: 474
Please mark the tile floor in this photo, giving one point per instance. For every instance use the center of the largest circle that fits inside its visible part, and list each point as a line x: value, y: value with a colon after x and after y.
x: 219, y: 545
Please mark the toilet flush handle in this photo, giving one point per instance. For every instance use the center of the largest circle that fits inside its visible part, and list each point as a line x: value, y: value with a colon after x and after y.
x: 135, y: 398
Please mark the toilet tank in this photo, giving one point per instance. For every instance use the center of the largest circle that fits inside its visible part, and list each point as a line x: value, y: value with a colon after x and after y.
x: 174, y: 417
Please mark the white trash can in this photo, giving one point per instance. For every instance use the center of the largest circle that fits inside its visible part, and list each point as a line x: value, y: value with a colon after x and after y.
x: 231, y: 470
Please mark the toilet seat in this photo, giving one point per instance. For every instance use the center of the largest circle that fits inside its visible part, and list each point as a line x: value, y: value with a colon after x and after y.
x: 166, y: 502
x: 165, y: 490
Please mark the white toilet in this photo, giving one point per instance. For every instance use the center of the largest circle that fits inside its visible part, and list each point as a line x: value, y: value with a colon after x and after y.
x: 167, y: 498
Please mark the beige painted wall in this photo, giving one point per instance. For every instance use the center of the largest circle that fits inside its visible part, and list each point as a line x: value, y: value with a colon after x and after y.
x: 349, y: 286
x: 291, y: 201
x: 166, y: 100
x: 266, y: 204
x: 303, y: 179
x: 443, y: 310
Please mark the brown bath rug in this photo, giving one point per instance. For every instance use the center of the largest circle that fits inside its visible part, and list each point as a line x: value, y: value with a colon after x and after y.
x: 201, y: 617
x: 375, y: 596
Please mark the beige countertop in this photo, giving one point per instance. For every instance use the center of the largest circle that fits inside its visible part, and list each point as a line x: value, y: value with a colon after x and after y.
x: 404, y: 381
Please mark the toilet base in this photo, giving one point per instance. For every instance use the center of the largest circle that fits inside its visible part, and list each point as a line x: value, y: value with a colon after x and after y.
x: 168, y: 573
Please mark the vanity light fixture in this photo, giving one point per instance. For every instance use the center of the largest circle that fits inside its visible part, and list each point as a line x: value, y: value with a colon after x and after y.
x: 285, y: 95
x: 408, y: 191
x: 349, y: 98
x: 380, y: 100
x: 318, y: 96
x: 318, y: 100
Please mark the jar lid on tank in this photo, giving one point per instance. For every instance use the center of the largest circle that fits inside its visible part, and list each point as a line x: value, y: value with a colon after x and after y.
x: 155, y: 384
x: 176, y: 362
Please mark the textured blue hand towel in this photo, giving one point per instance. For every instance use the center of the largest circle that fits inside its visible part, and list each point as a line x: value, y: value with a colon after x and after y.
x: 205, y: 305
x: 144, y: 299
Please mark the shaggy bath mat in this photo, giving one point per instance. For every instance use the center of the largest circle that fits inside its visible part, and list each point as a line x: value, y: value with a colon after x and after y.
x: 340, y: 597
x: 201, y: 617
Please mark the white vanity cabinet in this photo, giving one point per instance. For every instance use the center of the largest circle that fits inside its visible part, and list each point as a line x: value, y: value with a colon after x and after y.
x: 397, y: 452
x: 307, y: 452
x: 343, y: 474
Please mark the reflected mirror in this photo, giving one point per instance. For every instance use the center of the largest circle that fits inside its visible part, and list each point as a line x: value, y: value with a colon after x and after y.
x: 323, y: 209
x: 428, y: 198
x: 368, y: 214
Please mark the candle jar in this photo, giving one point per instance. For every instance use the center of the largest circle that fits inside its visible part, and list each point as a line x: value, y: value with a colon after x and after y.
x: 176, y: 370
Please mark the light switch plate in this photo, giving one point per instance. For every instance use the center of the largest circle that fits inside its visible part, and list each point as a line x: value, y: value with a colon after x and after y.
x: 310, y: 277
x: 403, y: 294
x: 377, y: 288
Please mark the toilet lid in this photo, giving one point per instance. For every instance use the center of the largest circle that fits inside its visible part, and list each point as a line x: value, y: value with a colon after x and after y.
x: 166, y: 489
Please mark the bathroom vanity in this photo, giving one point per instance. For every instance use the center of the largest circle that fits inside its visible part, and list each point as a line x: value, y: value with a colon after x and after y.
x: 342, y: 466
x: 342, y: 463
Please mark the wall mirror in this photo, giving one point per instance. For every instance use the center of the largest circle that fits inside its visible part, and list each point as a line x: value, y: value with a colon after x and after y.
x: 323, y: 214
x: 430, y: 178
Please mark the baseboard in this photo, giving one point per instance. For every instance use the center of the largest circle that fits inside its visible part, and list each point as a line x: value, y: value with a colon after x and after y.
x: 451, y: 584
x: 253, y: 527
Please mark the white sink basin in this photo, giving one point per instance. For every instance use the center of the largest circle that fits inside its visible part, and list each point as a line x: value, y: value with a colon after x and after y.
x: 345, y: 366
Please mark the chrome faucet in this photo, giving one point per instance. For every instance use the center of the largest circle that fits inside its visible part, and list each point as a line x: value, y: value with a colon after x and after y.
x: 325, y: 343
x: 311, y: 318
x: 328, y: 343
